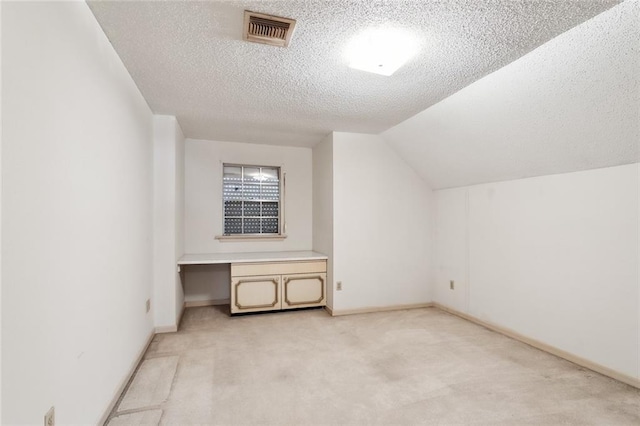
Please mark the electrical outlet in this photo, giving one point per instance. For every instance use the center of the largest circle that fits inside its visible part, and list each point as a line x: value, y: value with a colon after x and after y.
x: 451, y: 284
x: 339, y: 286
x: 148, y: 305
x: 50, y: 417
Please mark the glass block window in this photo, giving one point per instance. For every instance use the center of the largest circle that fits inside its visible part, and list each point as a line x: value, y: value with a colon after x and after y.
x: 251, y: 197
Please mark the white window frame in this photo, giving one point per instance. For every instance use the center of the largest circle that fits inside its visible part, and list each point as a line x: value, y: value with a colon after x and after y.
x: 280, y: 235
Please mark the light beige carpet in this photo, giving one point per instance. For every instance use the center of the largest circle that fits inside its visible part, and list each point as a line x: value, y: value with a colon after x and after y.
x: 420, y: 366
x: 151, y: 384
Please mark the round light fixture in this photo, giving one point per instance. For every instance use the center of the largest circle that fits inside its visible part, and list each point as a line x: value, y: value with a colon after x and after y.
x: 381, y: 50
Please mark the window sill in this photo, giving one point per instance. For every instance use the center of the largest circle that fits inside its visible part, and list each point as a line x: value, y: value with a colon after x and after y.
x: 231, y: 238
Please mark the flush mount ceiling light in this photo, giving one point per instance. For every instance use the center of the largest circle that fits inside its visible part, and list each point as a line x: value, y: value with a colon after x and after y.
x: 381, y: 50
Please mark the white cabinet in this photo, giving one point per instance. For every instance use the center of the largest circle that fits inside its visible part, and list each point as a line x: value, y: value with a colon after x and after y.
x: 303, y: 290
x: 255, y: 293
x: 269, y: 286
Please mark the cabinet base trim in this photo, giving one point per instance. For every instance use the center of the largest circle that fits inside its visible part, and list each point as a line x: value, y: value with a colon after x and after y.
x: 370, y: 309
x: 606, y: 371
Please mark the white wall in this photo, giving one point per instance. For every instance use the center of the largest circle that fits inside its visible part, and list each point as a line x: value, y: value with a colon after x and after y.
x: 168, y: 221
x: 323, y: 206
x: 382, y: 221
x: 554, y: 258
x: 203, y: 206
x: 179, y: 222
x: 450, y: 254
x: 76, y: 215
x: 0, y: 209
x: 572, y: 104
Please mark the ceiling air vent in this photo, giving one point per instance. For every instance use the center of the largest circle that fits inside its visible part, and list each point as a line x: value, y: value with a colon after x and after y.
x: 267, y: 29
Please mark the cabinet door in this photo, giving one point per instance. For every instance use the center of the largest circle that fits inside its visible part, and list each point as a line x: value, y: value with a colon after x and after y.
x: 253, y: 294
x: 303, y: 290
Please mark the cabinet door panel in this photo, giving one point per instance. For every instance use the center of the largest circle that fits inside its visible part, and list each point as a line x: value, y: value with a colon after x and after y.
x: 303, y: 290
x: 252, y: 294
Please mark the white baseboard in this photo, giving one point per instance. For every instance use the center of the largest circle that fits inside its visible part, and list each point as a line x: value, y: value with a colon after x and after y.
x: 180, y: 315
x: 174, y: 327
x: 606, y: 371
x: 124, y: 382
x: 370, y: 309
x: 166, y: 329
x: 210, y: 302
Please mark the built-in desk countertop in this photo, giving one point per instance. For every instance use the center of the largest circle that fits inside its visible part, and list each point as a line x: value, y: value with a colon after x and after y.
x: 276, y: 256
x: 270, y: 281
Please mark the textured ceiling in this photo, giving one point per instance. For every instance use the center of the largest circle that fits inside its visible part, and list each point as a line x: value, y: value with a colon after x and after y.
x: 189, y: 60
x: 573, y: 104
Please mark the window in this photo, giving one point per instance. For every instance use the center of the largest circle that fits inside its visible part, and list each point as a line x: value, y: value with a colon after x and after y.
x: 251, y: 198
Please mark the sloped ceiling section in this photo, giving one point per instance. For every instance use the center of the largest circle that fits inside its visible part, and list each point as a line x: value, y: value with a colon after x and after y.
x: 189, y: 60
x: 572, y: 104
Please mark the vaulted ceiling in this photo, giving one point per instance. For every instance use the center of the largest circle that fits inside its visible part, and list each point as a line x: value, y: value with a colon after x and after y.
x: 571, y: 105
x: 189, y: 60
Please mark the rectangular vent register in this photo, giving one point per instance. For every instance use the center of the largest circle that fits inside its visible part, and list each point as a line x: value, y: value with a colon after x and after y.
x: 267, y: 29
